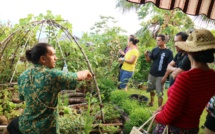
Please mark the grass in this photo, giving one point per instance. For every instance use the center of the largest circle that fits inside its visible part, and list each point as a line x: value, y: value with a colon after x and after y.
x: 143, y: 92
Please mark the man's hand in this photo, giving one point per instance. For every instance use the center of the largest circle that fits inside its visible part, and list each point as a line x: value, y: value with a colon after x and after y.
x: 176, y: 72
x: 169, y: 69
x: 84, y: 75
x: 146, y: 53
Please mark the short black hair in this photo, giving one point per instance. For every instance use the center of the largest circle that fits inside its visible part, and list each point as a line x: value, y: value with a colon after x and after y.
x: 183, y: 35
x: 162, y: 37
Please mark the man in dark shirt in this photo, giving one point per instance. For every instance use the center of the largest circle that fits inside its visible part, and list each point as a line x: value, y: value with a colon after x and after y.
x: 161, y: 57
x: 180, y: 63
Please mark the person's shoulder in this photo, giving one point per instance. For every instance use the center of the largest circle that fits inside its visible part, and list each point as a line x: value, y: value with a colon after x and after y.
x: 135, y: 50
x: 155, y: 49
x: 169, y: 50
x: 184, y: 74
x: 54, y: 71
x: 185, y: 57
x: 25, y: 73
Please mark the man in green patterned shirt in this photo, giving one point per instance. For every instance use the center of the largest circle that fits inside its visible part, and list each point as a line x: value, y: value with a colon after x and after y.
x: 39, y: 87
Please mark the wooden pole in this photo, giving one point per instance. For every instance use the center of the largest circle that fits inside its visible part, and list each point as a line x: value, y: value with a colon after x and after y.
x: 69, y: 35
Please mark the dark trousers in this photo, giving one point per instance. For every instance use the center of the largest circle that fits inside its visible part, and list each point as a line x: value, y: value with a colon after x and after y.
x: 210, y: 122
x: 13, y: 127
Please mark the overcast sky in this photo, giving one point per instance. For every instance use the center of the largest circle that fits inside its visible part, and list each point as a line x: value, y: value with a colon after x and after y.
x: 81, y: 13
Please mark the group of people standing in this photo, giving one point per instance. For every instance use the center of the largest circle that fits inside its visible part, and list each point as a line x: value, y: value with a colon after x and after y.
x: 192, y: 89
x: 191, y: 82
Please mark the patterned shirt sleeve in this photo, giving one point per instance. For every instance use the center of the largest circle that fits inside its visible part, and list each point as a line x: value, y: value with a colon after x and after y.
x: 65, y: 81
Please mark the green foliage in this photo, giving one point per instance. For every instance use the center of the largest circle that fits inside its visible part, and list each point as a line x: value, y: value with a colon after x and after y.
x: 71, y: 124
x: 136, y: 118
x: 136, y: 112
x: 124, y: 5
x: 129, y: 105
x: 111, y: 112
x: 7, y: 107
x: 106, y: 86
x: 104, y: 42
x: 88, y: 119
x: 110, y: 129
x: 74, y: 122
x: 158, y: 21
x: 118, y: 96
x: 5, y: 29
x: 143, y: 69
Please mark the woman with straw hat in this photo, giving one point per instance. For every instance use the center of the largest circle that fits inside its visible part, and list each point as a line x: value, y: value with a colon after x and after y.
x: 188, y: 96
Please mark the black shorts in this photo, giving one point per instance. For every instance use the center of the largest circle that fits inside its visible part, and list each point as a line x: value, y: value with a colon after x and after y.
x: 210, y: 122
x: 13, y: 127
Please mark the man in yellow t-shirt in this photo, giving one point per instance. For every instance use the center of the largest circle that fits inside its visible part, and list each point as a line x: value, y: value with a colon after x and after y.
x: 129, y: 62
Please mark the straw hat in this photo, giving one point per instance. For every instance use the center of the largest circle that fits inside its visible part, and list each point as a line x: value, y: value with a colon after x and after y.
x: 198, y: 40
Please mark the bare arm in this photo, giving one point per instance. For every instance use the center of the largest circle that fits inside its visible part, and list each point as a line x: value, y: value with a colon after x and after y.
x: 163, y: 80
x: 176, y: 72
x: 170, y: 67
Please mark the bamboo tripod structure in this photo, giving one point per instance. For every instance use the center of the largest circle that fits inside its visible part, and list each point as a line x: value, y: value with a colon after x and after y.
x: 53, y: 23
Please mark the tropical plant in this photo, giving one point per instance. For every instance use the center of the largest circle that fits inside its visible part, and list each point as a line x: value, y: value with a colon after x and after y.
x: 104, y: 41
x: 124, y: 5
x: 136, y: 118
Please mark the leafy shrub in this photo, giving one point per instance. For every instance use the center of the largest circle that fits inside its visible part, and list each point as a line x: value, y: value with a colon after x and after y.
x: 118, y: 96
x: 111, y: 112
x: 136, y: 118
x: 106, y: 86
x: 129, y: 105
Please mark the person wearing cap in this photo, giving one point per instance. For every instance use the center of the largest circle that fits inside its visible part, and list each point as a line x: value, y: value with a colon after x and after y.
x: 39, y: 87
x: 161, y: 57
x: 192, y: 89
x: 180, y: 62
x: 210, y: 119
